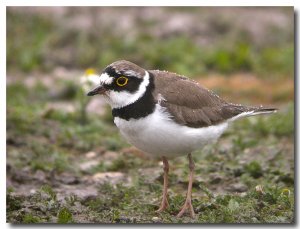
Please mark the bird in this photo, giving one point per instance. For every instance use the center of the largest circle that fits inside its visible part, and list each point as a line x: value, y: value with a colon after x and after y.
x: 167, y: 115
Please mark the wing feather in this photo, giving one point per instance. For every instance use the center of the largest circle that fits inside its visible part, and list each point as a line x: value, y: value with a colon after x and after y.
x: 191, y: 104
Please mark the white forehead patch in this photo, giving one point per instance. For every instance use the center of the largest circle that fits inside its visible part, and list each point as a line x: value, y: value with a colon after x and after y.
x: 118, y: 99
x: 106, y: 79
x: 131, y: 73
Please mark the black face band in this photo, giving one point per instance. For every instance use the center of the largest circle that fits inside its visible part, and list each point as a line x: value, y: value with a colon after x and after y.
x: 132, y: 84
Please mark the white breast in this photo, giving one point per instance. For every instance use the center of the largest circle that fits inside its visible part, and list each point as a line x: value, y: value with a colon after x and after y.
x: 157, y: 135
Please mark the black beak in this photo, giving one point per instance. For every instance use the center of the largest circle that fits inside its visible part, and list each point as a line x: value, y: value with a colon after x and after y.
x: 98, y: 90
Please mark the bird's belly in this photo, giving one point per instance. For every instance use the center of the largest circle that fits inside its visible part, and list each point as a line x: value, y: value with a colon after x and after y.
x: 158, y: 135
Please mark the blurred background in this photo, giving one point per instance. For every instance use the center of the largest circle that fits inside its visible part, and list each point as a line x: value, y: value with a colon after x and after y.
x: 64, y: 145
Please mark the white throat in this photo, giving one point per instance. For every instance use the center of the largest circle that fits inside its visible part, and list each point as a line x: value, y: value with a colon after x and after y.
x: 123, y: 98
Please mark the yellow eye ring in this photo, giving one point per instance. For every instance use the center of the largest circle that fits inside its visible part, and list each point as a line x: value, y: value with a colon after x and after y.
x: 122, y: 81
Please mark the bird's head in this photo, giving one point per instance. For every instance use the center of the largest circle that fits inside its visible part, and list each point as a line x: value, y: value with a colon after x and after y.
x: 122, y: 83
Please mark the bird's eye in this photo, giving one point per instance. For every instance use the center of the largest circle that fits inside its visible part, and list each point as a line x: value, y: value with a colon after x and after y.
x: 122, y: 81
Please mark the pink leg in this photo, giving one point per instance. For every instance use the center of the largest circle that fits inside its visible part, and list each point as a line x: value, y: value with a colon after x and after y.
x: 164, y: 203
x: 188, y: 202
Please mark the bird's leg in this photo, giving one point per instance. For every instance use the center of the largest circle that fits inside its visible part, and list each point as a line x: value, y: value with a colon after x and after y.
x: 188, y: 202
x: 164, y: 203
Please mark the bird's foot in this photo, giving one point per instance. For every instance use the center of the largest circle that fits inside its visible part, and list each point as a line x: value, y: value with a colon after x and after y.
x: 187, y: 206
x: 163, y: 206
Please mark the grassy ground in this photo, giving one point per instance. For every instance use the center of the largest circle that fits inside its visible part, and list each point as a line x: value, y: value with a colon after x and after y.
x: 63, y: 167
x: 67, y: 163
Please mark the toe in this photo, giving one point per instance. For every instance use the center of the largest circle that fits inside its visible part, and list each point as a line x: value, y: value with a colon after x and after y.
x: 187, y: 206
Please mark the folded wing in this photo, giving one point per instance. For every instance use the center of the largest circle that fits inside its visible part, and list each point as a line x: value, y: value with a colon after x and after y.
x: 192, y: 105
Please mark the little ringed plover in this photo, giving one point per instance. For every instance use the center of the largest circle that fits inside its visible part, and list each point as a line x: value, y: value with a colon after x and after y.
x: 167, y: 115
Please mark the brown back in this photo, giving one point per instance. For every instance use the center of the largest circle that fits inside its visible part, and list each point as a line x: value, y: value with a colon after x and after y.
x: 191, y: 104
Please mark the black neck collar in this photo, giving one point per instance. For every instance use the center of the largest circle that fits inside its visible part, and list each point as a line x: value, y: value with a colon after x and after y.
x: 140, y: 108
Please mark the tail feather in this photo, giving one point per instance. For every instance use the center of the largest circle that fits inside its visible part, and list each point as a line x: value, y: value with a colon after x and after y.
x: 262, y: 110
x: 251, y: 111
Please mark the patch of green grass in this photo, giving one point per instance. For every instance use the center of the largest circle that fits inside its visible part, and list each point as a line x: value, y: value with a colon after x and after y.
x: 120, y: 196
x: 13, y: 202
x: 254, y: 169
x: 9, y: 190
x: 49, y: 191
x: 241, y: 143
x: 173, y: 60
x: 29, y: 218
x: 251, y: 208
x: 64, y: 216
x: 87, y: 136
x: 113, y: 144
x: 114, y: 203
x: 123, y: 163
x: 238, y: 58
x: 23, y: 108
x: 279, y: 58
x: 47, y: 157
x: 126, y: 162
x: 24, y: 48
